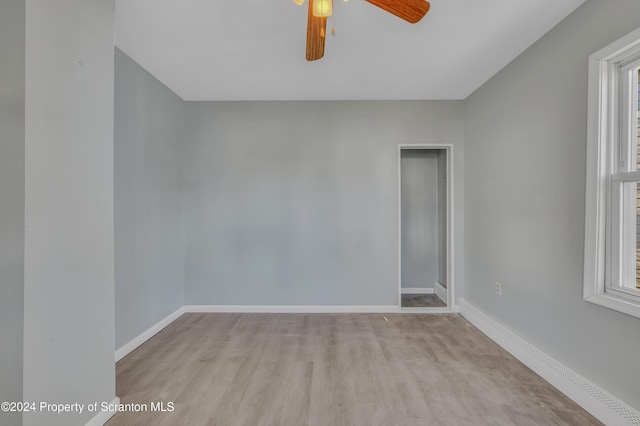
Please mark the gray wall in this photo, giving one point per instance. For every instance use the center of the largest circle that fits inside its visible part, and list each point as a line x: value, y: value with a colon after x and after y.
x: 12, y: 32
x: 525, y: 184
x: 420, y: 222
x: 149, y: 225
x: 296, y: 203
x: 69, y: 265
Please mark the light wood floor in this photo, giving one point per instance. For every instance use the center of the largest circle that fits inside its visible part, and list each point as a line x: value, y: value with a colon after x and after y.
x: 334, y: 369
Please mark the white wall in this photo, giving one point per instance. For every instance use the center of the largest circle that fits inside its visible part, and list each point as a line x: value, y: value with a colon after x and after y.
x: 525, y: 139
x: 295, y: 203
x: 420, y: 261
x: 149, y: 224
x: 12, y: 27
x: 442, y: 217
x: 69, y: 265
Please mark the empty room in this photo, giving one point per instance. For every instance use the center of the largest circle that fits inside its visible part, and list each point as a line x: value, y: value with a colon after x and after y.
x: 363, y: 212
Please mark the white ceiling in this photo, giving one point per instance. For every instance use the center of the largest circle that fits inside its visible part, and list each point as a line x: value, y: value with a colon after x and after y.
x: 255, y: 49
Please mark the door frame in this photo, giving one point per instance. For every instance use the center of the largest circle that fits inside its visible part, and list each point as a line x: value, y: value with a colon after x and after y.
x: 448, y: 148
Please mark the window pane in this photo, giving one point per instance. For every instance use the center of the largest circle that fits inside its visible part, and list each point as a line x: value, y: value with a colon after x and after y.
x: 629, y: 243
x: 634, y: 187
x: 637, y: 236
x: 637, y: 114
x: 637, y: 230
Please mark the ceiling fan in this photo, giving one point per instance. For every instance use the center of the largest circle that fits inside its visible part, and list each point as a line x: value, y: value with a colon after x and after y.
x: 411, y: 11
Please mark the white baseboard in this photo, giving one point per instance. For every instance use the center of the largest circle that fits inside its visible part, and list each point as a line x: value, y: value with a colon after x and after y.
x: 597, y: 401
x: 291, y: 309
x: 416, y: 290
x: 103, y: 416
x: 440, y: 291
x: 132, y: 344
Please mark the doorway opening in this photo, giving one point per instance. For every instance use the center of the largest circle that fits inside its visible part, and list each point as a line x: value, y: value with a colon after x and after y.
x: 425, y: 227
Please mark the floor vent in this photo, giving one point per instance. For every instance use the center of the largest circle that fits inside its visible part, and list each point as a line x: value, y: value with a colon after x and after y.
x: 592, y: 390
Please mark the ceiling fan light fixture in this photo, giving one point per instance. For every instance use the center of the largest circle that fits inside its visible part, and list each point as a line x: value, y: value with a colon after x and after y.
x: 322, y: 8
x: 298, y: 2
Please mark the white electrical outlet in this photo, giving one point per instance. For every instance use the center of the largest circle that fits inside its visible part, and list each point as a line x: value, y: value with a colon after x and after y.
x: 498, y: 288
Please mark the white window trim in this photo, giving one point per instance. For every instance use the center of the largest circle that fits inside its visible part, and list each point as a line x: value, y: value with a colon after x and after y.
x: 602, y: 129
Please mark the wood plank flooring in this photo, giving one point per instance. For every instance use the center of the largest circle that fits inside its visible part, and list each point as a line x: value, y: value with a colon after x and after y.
x: 422, y: 301
x: 334, y: 369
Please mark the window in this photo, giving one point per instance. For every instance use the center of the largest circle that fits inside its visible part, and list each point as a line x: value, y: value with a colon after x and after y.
x: 612, y: 220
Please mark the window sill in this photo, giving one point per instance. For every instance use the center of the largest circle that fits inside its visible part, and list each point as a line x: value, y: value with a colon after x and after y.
x: 616, y: 303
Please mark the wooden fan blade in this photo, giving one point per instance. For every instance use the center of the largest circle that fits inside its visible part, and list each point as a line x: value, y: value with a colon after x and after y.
x: 316, y: 33
x: 410, y: 10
